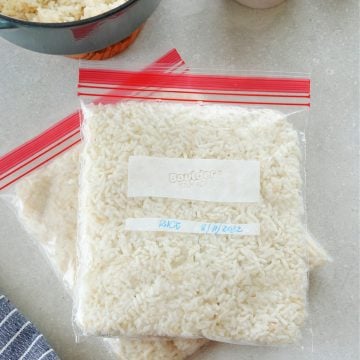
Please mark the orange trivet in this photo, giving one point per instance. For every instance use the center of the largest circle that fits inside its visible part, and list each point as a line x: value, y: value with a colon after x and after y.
x: 111, y: 50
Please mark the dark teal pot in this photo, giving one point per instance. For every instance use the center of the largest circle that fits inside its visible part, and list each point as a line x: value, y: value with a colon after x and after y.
x: 78, y: 37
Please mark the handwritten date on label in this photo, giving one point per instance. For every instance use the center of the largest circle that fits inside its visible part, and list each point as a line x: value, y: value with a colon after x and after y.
x: 190, y: 227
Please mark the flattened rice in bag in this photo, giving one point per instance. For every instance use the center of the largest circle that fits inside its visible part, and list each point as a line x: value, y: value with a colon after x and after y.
x: 150, y: 261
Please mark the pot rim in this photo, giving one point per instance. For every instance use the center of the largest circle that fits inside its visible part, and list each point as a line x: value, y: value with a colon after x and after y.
x: 68, y: 24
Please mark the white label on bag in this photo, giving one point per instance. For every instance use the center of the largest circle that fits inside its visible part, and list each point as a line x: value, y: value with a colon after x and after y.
x: 194, y: 179
x: 194, y: 227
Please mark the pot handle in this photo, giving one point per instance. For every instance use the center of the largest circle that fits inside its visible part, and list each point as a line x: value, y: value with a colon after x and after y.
x: 6, y: 24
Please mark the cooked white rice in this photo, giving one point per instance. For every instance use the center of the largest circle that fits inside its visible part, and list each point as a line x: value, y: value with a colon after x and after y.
x: 56, y: 11
x: 48, y: 210
x: 245, y: 290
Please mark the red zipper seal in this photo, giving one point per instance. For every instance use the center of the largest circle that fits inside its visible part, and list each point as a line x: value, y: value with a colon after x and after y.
x: 189, y: 81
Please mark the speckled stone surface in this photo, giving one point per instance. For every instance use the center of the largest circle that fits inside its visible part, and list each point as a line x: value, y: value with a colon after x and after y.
x: 321, y: 37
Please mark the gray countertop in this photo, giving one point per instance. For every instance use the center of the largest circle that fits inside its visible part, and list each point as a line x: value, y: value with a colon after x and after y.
x: 320, y: 37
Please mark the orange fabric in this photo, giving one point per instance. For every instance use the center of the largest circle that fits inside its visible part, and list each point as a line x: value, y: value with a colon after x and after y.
x: 111, y: 50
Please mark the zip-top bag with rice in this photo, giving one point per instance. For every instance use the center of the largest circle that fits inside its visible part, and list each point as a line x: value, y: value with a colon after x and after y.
x: 191, y: 215
x: 45, y: 200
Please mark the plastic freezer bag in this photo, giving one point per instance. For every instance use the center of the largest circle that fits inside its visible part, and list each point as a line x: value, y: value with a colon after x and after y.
x: 191, y: 213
